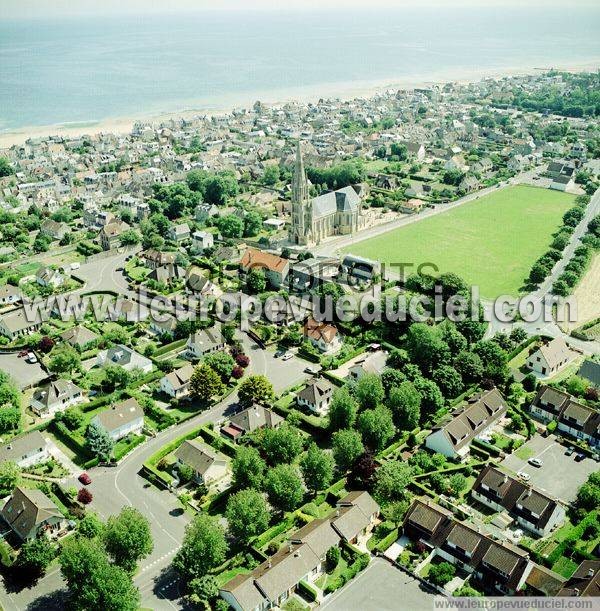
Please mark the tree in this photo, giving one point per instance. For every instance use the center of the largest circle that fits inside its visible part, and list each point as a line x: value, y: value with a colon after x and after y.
x: 10, y: 418
x: 205, y: 383
x: 369, y: 391
x: 469, y: 366
x: 362, y: 472
x: 432, y: 398
x: 425, y: 347
x: 405, y: 404
x: 248, y: 468
x: 230, y: 226
x: 282, y: 444
x: 342, y: 410
x: 347, y: 447
x: 99, y: 442
x: 392, y: 378
x: 494, y: 360
x: 457, y: 483
x: 377, y: 427
x: 332, y: 558
x: 5, y: 167
x: 10, y: 477
x: 90, y: 526
x: 127, y: 538
x: 395, y: 512
x: 440, y: 574
x: 36, y: 555
x: 252, y: 224
x: 115, y: 377
x: 255, y: 389
x: 130, y: 237
x: 448, y: 380
x: 92, y: 581
x: 284, y: 487
x: 256, y: 281
x: 247, y: 514
x: 72, y: 417
x: 271, y: 175
x: 204, y: 547
x: 64, y: 360
x: 85, y: 496
x: 45, y: 344
x: 317, y: 468
x: 392, y: 481
x: 398, y: 358
x: 222, y: 363
x: 203, y: 590
x: 467, y: 592
x: 218, y: 188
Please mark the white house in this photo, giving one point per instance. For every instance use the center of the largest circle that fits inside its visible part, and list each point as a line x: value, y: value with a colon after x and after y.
x: 209, y: 465
x: 550, y: 358
x: 201, y: 240
x: 316, y: 396
x: 26, y: 450
x: 121, y: 419
x: 9, y: 294
x: 56, y: 397
x: 46, y: 276
x: 177, y: 383
x: 204, y: 342
x: 125, y: 357
x: 322, y: 335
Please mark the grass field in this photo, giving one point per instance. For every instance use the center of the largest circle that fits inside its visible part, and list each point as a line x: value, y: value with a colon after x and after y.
x: 491, y: 242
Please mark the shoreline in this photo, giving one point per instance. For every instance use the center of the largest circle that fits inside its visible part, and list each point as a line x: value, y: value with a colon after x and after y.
x: 275, y: 97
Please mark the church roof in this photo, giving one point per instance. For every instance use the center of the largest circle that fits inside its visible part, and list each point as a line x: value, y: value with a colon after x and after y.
x: 342, y: 200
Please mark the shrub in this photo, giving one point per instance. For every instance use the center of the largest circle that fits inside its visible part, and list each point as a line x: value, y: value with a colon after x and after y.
x: 332, y: 558
x: 85, y: 496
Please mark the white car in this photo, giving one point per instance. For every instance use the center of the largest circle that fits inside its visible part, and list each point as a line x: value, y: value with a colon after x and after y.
x: 31, y: 358
x: 524, y: 476
x: 287, y: 356
x: 536, y: 462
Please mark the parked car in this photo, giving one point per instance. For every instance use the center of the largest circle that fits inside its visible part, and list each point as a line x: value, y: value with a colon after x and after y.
x: 23, y: 353
x: 287, y: 356
x: 279, y: 353
x: 313, y: 371
x: 579, y: 456
x: 569, y: 451
x: 536, y: 462
x: 31, y: 358
x: 524, y: 476
x: 85, y: 479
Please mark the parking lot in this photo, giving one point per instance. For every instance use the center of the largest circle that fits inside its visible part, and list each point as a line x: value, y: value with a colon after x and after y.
x: 23, y: 373
x: 282, y: 373
x: 560, y: 475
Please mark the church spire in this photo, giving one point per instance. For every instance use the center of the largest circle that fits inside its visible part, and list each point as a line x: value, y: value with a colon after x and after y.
x: 300, y: 184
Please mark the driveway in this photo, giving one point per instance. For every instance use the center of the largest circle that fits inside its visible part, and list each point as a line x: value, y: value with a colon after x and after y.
x: 283, y: 374
x: 383, y: 587
x: 560, y: 476
x: 23, y: 373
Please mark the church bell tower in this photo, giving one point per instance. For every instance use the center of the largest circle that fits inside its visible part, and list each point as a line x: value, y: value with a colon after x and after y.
x: 301, y: 205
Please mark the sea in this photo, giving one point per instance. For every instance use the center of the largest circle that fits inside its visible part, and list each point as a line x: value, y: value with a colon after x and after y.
x: 81, y: 70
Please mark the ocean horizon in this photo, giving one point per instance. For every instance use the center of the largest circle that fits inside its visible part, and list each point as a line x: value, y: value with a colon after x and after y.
x: 86, y: 70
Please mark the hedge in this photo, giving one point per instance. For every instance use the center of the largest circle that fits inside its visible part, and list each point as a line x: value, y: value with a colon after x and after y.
x: 387, y: 541
x: 488, y: 447
x: 123, y: 448
x: 224, y: 445
x: 168, y: 347
x: 307, y: 591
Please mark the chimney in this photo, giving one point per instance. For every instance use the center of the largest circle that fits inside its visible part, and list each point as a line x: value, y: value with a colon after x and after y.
x: 590, y: 573
x: 270, y: 565
x: 576, y: 591
x: 337, y: 513
x: 290, y: 547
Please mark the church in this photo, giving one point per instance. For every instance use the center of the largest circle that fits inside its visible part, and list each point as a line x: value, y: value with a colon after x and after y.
x: 330, y: 214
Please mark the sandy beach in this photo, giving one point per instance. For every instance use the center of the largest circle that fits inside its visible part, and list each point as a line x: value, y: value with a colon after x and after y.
x: 274, y: 97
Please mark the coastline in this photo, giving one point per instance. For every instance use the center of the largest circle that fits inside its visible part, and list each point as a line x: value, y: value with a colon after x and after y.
x: 274, y: 97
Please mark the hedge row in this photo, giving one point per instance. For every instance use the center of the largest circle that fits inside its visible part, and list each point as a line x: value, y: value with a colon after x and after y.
x: 307, y: 591
x: 387, y: 541
x: 349, y: 573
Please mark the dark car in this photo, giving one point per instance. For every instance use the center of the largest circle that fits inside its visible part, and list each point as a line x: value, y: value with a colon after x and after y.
x: 85, y: 479
x: 23, y: 353
x: 579, y: 457
x: 569, y: 451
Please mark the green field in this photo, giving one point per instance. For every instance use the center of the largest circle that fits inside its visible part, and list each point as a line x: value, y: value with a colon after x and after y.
x: 491, y: 242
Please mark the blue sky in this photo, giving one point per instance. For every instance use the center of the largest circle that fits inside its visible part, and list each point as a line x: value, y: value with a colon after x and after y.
x: 43, y: 8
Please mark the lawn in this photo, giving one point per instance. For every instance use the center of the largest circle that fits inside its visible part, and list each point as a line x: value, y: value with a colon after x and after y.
x: 491, y: 242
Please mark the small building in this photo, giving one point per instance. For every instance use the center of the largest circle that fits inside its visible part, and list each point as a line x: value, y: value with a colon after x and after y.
x: 26, y: 450
x: 316, y: 396
x: 177, y: 383
x: 373, y: 363
x: 322, y: 335
x: 209, y: 465
x: 31, y: 514
x: 56, y: 230
x: 46, y: 276
x: 167, y: 274
x: 17, y: 323
x: 154, y: 258
x: 9, y: 294
x: 124, y: 357
x: 201, y: 240
x: 355, y: 516
x: 453, y: 438
x: 110, y: 235
x: 585, y: 581
x: 179, y: 233
x: 79, y: 337
x: 359, y: 269
x: 56, y: 397
x: 251, y: 419
x: 550, y: 358
x: 204, y: 342
x: 276, y: 268
x: 121, y: 419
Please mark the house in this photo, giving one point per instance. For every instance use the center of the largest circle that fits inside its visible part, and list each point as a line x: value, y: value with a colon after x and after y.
x: 154, y: 258
x: 203, y: 212
x: 121, y: 419
x: 167, y: 273
x: 550, y: 358
x: 359, y: 269
x: 322, y: 335
x: 177, y: 383
x: 179, y: 233
x: 209, y: 465
x: 204, y: 342
x: 585, y: 581
x: 30, y: 514
x: 201, y: 240
x: 590, y: 371
x: 46, y: 276
x: 481, y: 412
x: 530, y: 508
x: 110, y: 235
x: 249, y: 420
x: 562, y: 183
x: 54, y: 229
x: 9, y: 294
x: 56, y: 397
x: 302, y: 557
x: 199, y: 284
x: 369, y: 363
x: 79, y: 337
x: 163, y: 324
x: 493, y: 565
x: 17, y: 323
x: 573, y: 418
x: 411, y: 206
x: 25, y: 450
x: 125, y: 357
x: 316, y: 396
x: 276, y: 268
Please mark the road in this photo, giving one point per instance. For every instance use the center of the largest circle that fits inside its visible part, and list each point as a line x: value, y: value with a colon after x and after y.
x: 114, y: 488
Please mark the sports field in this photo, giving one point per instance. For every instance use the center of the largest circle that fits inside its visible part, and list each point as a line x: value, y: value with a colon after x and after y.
x: 491, y: 242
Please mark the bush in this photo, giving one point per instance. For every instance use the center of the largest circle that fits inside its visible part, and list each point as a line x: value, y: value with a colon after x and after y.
x: 332, y: 558
x: 307, y: 591
x: 84, y: 496
x: 440, y: 574
x: 551, y: 427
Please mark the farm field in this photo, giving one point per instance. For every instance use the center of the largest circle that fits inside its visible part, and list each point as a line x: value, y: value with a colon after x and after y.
x: 587, y: 294
x: 491, y: 242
